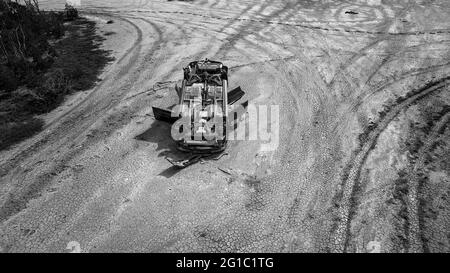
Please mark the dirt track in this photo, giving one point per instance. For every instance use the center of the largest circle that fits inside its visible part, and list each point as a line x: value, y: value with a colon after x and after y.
x: 347, y: 86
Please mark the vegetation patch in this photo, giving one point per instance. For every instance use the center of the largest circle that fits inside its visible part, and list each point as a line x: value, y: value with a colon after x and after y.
x: 44, y: 56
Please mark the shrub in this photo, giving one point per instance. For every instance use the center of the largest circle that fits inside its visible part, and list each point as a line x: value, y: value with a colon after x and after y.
x: 14, y: 132
x: 37, y: 69
x: 25, y: 32
x: 71, y: 12
x: 8, y: 81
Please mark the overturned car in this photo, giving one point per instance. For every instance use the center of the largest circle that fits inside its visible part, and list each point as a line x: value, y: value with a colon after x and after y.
x: 201, y: 117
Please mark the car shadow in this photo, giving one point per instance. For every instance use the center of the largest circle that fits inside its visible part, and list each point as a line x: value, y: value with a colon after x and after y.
x: 159, y: 133
x: 169, y: 172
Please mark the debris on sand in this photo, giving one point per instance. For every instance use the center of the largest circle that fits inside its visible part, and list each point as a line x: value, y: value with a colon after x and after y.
x: 351, y: 12
x: 226, y: 171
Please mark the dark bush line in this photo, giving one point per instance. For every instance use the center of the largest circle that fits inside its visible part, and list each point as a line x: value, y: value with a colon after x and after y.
x: 79, y: 62
x: 39, y: 68
x: 25, y: 32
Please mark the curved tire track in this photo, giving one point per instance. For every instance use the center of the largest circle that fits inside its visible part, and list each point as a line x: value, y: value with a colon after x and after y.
x: 351, y: 179
x: 417, y: 245
x: 11, y: 161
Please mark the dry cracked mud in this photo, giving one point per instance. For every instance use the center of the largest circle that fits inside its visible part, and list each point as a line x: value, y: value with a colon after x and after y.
x: 363, y: 158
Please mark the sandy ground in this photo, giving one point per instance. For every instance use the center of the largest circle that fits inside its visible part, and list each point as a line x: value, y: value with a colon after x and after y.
x: 362, y: 160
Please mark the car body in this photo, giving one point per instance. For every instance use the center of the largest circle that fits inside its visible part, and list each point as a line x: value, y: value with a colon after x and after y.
x: 203, y: 107
x: 201, y: 117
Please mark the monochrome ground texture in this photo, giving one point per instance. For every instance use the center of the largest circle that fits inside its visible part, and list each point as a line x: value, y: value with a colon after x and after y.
x: 362, y: 164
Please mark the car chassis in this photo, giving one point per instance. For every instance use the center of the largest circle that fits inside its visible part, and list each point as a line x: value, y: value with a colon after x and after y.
x: 200, y: 120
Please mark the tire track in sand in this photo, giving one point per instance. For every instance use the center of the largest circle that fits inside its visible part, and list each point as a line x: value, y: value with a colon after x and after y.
x: 20, y: 197
x: 351, y: 178
x: 11, y: 161
x: 416, y: 243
